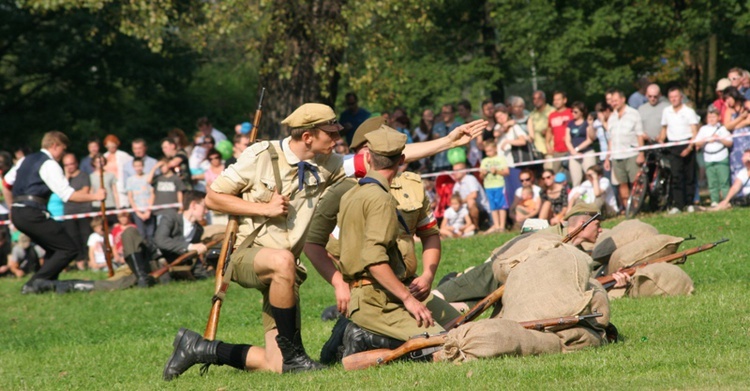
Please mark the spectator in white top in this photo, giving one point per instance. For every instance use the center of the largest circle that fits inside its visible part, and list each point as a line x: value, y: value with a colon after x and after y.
x: 205, y: 127
x: 456, y: 221
x: 471, y: 193
x: 651, y: 113
x: 625, y: 129
x: 715, y: 140
x: 740, y: 188
x: 679, y: 123
x: 596, y: 189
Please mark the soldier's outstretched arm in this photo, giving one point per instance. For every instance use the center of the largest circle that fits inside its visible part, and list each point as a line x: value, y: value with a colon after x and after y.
x: 460, y: 136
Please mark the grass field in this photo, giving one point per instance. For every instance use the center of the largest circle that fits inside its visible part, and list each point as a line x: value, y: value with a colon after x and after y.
x: 121, y: 340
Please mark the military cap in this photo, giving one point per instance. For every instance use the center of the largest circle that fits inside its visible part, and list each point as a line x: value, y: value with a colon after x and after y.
x: 581, y: 208
x: 370, y: 124
x: 310, y: 115
x: 386, y: 141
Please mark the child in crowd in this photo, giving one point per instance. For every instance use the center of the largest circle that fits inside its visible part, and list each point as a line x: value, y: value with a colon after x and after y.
x: 97, y: 260
x: 493, y: 170
x: 456, y: 221
x: 141, y: 197
x: 123, y: 223
x: 527, y: 203
x: 429, y: 190
x: 168, y: 186
x: 715, y: 141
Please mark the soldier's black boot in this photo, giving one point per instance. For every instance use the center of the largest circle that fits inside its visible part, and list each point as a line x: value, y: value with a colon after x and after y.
x: 65, y: 286
x: 295, y: 359
x: 37, y: 285
x: 189, y: 349
x: 140, y: 267
x: 357, y: 339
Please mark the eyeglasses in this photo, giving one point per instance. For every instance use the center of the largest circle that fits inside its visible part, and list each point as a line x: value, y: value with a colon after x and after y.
x: 734, y: 78
x: 525, y: 179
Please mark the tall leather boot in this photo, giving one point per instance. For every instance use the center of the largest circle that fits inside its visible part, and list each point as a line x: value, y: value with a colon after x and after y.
x: 295, y: 359
x: 189, y: 349
x: 65, y: 286
x: 357, y: 339
x: 139, y: 265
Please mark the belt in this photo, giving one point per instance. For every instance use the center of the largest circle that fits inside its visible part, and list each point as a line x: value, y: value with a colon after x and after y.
x: 30, y: 198
x: 360, y: 283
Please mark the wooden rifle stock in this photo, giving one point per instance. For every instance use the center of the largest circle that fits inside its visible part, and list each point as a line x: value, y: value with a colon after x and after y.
x: 161, y: 271
x: 495, y: 296
x: 230, y: 236
x: 608, y: 281
x: 375, y: 357
x: 105, y: 224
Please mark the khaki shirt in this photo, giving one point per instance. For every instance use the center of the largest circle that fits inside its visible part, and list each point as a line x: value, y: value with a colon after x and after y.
x: 252, y: 177
x: 369, y: 229
x: 413, y: 203
x: 540, y: 119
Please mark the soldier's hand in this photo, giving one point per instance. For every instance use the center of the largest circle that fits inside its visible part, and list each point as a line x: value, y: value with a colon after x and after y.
x: 277, y: 206
x: 621, y: 279
x: 100, y: 195
x: 200, y: 248
x: 463, y: 134
x: 419, y: 312
x: 342, y: 297
x: 420, y: 288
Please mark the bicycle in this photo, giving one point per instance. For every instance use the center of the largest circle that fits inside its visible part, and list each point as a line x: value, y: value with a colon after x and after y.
x: 653, y: 181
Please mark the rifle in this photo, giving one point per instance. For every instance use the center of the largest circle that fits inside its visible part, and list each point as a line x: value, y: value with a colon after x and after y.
x: 105, y: 224
x: 493, y: 297
x: 161, y: 271
x: 230, y: 236
x: 608, y: 281
x: 375, y: 357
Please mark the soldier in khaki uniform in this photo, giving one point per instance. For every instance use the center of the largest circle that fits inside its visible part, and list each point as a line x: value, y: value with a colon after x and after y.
x: 474, y: 285
x: 279, y: 184
x: 371, y: 262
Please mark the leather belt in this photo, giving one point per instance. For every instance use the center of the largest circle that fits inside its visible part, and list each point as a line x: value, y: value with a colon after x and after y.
x: 360, y: 283
x: 30, y: 198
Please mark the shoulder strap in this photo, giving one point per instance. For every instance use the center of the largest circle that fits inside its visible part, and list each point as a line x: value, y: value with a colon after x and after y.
x: 275, y: 164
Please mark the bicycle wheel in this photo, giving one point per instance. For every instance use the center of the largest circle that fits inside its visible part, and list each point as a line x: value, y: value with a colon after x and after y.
x: 662, y: 194
x: 637, y: 194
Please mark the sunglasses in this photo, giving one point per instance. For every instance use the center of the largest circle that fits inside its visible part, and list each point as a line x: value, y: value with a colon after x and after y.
x: 525, y: 179
x: 545, y: 177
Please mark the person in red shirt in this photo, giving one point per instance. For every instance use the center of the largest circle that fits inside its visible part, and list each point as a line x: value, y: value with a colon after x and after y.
x: 558, y: 122
x: 123, y: 222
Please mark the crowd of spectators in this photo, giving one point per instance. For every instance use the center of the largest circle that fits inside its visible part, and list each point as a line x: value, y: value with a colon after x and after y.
x: 581, y: 155
x: 491, y: 185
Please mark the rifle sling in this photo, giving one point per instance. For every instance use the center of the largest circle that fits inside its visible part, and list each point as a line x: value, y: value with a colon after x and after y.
x: 227, y: 278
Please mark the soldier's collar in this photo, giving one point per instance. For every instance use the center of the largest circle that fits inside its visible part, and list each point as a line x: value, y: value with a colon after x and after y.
x: 291, y: 158
x: 378, y: 177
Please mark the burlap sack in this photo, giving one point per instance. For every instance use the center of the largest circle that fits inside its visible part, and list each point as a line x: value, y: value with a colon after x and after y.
x: 660, y: 279
x: 643, y: 250
x: 520, y: 251
x: 553, y: 283
x: 626, y: 232
x: 497, y: 337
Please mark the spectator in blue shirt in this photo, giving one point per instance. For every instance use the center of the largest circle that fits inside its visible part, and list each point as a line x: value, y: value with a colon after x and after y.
x: 353, y: 116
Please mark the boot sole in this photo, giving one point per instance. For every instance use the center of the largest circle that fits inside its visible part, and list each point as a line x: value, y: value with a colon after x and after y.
x: 175, y: 343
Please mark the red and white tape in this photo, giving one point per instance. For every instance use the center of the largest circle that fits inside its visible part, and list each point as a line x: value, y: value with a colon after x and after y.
x: 109, y: 212
x: 599, y: 154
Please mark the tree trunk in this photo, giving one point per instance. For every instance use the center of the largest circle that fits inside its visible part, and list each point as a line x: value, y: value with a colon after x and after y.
x: 299, y: 65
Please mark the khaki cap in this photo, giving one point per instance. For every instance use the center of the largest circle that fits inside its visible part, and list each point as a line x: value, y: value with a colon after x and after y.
x: 370, y: 124
x: 386, y: 141
x: 582, y: 208
x: 310, y: 115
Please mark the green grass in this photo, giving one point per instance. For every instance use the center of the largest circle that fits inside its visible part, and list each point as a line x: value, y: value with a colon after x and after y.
x: 121, y: 340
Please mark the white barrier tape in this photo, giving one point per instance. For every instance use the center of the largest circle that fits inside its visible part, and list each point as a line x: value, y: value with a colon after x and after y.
x: 599, y: 154
x: 109, y: 212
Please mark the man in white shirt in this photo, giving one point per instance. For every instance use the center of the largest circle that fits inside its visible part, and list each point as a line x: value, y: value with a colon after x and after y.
x: 680, y: 123
x: 625, y: 129
x: 33, y: 182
